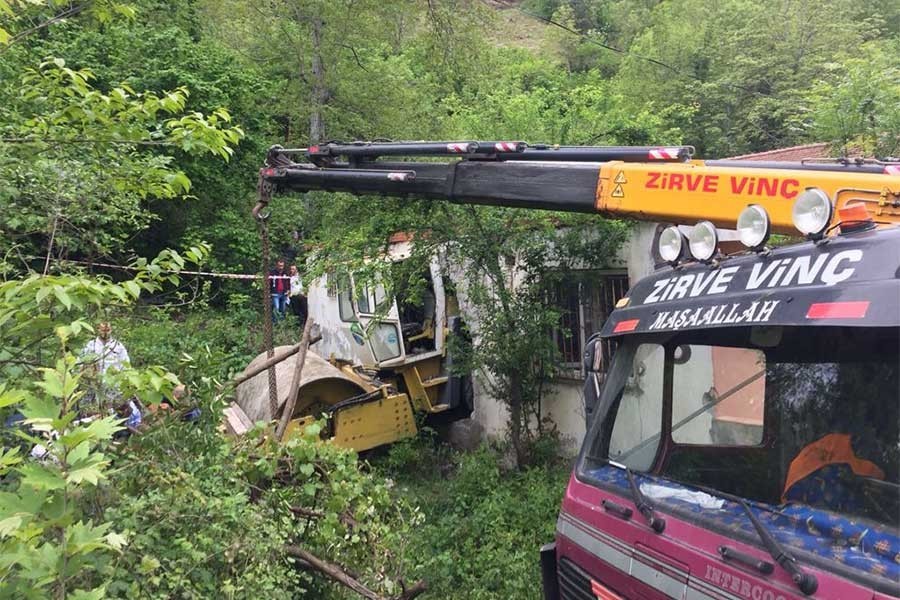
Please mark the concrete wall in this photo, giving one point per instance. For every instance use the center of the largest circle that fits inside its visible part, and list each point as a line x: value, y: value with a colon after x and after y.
x: 563, y: 400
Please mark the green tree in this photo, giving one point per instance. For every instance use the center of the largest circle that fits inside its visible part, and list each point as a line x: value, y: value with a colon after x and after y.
x: 743, y: 67
x: 77, y: 163
x: 50, y: 545
x: 852, y: 104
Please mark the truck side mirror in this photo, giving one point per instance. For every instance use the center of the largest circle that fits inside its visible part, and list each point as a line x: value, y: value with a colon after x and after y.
x: 593, y: 355
x: 593, y: 370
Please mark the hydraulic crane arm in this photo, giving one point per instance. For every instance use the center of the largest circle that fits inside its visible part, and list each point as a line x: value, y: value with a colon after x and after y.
x: 646, y: 183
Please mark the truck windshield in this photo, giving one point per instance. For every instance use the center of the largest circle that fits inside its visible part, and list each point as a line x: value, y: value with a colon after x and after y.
x: 782, y: 416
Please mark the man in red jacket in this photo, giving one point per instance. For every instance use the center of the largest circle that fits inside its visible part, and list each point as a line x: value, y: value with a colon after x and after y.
x: 280, y: 283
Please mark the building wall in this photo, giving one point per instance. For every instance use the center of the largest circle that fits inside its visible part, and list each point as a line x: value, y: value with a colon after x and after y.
x: 563, y: 401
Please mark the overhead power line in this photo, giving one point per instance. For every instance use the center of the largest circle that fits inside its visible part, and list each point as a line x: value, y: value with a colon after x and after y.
x: 591, y: 40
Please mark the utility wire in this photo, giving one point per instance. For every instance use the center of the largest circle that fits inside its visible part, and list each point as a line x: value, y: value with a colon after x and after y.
x: 594, y: 41
x: 182, y: 272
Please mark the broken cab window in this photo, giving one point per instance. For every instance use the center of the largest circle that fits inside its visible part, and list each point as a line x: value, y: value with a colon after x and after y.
x: 345, y: 302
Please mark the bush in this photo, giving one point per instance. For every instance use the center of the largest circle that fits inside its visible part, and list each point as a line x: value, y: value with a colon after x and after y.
x: 208, y: 518
x: 483, y: 526
x: 193, y: 529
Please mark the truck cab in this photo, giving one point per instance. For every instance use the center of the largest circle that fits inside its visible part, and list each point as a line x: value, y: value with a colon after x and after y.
x: 745, y: 440
x: 362, y: 324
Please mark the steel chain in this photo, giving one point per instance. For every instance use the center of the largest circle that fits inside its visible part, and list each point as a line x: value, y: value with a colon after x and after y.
x: 264, y: 193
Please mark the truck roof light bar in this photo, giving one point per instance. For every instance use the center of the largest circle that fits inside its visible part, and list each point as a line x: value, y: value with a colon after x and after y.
x: 754, y: 227
x: 671, y: 245
x: 703, y: 241
x: 812, y: 212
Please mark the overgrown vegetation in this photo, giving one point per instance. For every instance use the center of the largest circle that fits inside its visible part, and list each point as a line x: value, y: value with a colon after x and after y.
x: 128, y: 127
x: 483, y: 524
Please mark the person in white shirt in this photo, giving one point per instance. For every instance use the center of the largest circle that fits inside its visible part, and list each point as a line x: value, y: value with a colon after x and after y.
x: 297, y: 298
x: 104, y: 352
x: 99, y: 356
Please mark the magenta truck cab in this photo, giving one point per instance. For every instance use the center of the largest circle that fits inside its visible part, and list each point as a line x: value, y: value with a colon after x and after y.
x: 744, y: 438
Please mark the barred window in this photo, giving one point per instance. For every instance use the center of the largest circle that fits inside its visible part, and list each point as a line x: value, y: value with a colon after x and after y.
x: 584, y: 299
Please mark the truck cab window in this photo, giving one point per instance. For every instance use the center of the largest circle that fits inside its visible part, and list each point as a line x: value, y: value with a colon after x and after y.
x: 345, y: 302
x: 638, y: 414
x: 362, y: 299
x: 718, y: 395
x: 417, y: 316
x: 810, y: 421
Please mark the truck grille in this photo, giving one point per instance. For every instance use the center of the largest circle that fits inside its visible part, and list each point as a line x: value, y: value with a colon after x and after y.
x: 576, y: 584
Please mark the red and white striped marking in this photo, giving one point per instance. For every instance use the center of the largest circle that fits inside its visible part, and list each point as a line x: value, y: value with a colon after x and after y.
x: 892, y: 170
x: 664, y: 154
x: 458, y: 147
x: 399, y: 176
x: 506, y: 146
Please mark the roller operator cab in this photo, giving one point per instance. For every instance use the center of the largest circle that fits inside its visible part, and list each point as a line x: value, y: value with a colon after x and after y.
x: 745, y: 437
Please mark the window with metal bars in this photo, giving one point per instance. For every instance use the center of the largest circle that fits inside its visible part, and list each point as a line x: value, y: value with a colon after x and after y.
x: 584, y: 300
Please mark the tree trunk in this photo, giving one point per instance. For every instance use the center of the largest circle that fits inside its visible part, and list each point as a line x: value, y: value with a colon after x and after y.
x: 294, y: 391
x: 319, y: 93
x: 516, y: 418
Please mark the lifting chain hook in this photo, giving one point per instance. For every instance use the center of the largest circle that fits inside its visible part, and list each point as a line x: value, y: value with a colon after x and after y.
x: 261, y: 213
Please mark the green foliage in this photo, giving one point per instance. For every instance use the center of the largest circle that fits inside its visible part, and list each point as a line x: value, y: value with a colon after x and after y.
x: 851, y: 104
x: 50, y: 546
x: 104, y: 151
x: 203, y: 347
x: 79, y: 163
x: 21, y: 18
x: 742, y: 66
x: 484, y: 525
x: 208, y: 518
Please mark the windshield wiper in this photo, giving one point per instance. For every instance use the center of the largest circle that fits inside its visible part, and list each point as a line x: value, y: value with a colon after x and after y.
x: 807, y: 582
x: 657, y: 524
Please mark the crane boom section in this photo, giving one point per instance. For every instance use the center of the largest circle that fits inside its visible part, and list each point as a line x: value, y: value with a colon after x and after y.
x: 674, y: 191
x: 688, y: 192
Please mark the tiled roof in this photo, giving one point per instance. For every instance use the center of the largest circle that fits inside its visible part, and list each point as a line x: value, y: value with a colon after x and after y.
x: 794, y: 153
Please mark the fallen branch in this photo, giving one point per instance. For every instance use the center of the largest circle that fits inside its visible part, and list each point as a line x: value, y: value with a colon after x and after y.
x: 340, y: 575
x: 239, y: 379
x: 417, y: 588
x: 288, y: 411
x: 306, y: 512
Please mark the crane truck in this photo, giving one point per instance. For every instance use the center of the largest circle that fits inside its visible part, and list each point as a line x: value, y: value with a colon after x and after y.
x: 744, y: 442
